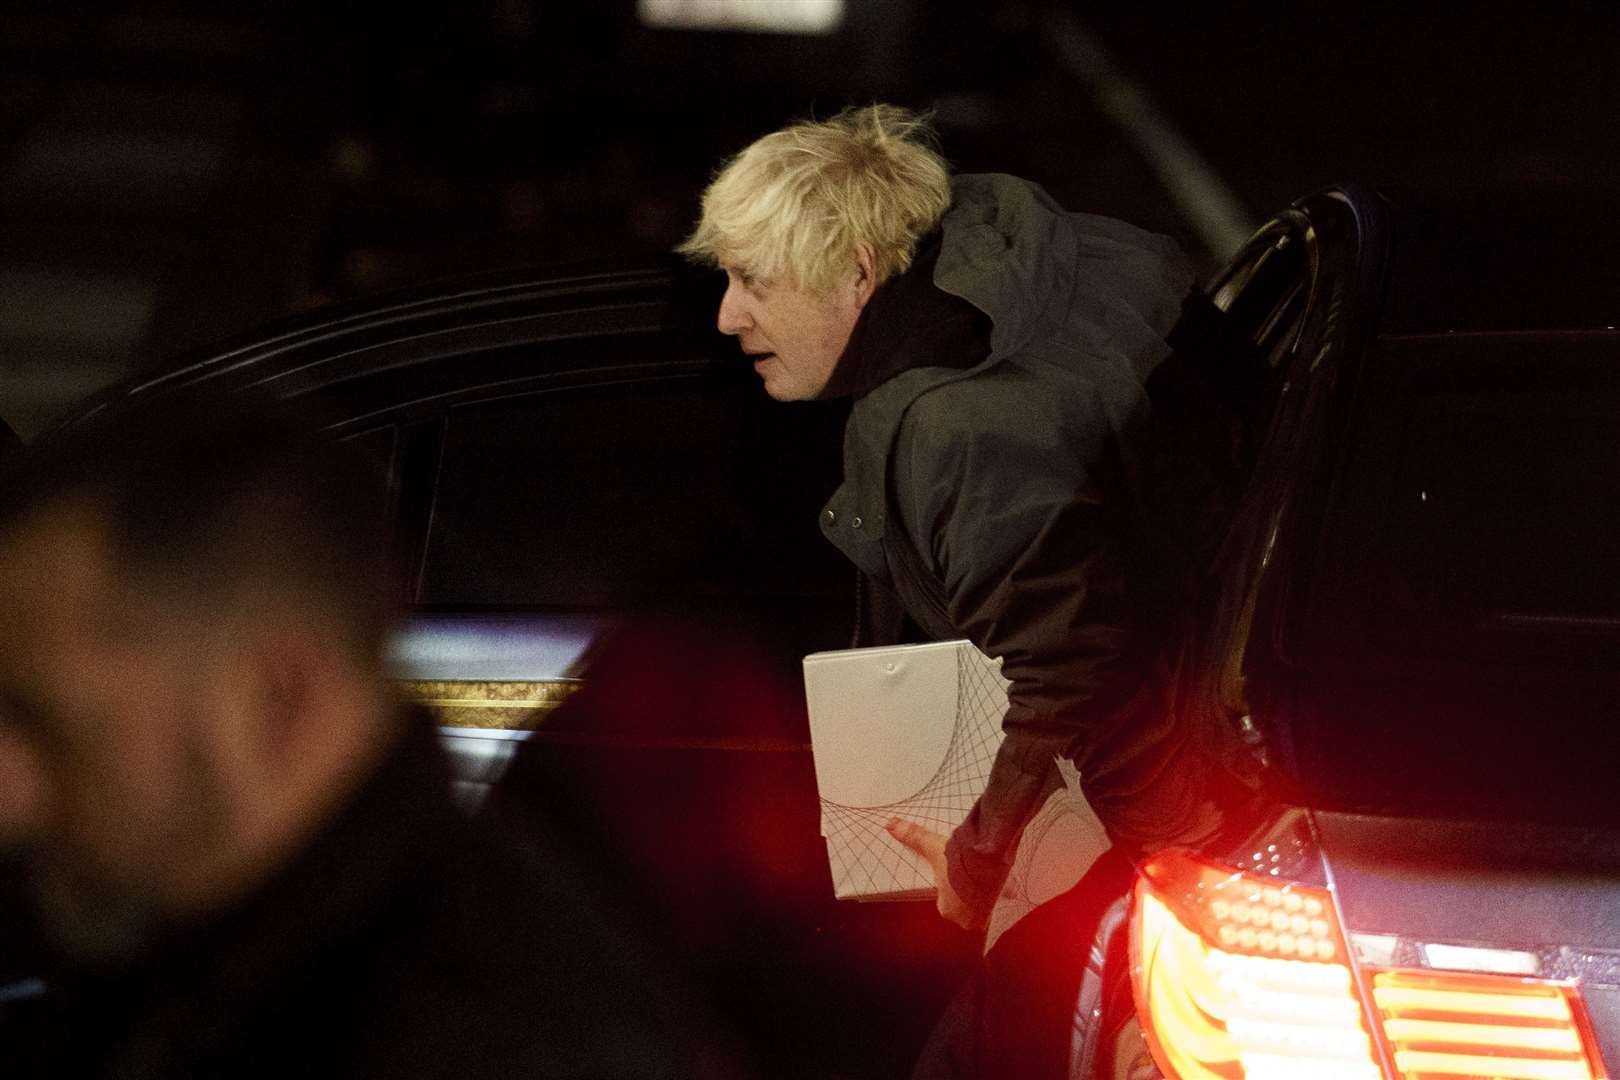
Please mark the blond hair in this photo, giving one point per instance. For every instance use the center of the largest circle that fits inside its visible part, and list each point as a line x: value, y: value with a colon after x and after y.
x: 796, y: 203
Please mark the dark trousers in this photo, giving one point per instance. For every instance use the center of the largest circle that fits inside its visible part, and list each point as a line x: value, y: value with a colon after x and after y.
x: 1015, y: 1020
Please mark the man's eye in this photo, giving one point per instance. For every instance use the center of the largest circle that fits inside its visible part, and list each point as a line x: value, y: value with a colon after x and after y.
x: 749, y: 281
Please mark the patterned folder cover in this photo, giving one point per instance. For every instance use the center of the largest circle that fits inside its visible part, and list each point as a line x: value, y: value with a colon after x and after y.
x: 907, y: 731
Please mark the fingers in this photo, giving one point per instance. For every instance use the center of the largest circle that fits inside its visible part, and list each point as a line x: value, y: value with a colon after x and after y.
x: 924, y: 841
x: 931, y: 846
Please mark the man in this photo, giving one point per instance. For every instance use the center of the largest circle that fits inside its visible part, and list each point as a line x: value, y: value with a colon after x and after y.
x: 996, y: 348
x: 245, y: 858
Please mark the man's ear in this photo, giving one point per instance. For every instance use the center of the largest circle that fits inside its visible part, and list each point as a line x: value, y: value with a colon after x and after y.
x: 294, y: 730
x: 262, y: 689
x: 250, y: 694
x: 284, y: 673
x: 292, y: 680
x: 866, y: 281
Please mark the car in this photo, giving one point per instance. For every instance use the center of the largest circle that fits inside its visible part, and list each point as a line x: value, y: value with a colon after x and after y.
x: 1411, y: 621
x: 1406, y: 619
x: 612, y: 550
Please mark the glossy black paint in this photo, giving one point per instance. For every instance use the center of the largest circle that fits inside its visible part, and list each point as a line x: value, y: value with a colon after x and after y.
x: 1413, y: 617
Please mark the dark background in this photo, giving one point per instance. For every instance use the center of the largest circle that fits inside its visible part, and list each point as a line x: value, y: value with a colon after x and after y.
x: 172, y: 173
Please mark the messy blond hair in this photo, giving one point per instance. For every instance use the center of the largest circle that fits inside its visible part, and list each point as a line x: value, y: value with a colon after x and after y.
x: 795, y: 204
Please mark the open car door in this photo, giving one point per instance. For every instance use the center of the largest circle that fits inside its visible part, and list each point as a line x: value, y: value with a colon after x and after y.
x: 1247, y: 412
x: 1248, y: 409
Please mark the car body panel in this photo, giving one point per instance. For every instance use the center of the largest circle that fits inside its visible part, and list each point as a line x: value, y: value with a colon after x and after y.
x: 1414, y: 618
x: 1509, y: 885
x: 1453, y: 627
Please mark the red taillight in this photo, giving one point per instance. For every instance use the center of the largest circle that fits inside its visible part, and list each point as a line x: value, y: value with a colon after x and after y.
x: 1446, y: 1024
x: 1242, y: 977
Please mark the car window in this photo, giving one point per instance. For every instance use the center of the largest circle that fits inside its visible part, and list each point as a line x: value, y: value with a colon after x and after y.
x: 380, y: 446
x: 1508, y: 500
x: 1461, y: 642
x: 568, y: 468
x: 601, y: 497
x: 1485, y: 499
x: 581, y: 500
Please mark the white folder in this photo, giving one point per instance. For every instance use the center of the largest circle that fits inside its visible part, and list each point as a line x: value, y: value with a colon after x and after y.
x: 904, y: 732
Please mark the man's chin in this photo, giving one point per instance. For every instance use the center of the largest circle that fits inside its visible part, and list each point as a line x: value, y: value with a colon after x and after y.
x: 784, y: 390
x: 773, y: 388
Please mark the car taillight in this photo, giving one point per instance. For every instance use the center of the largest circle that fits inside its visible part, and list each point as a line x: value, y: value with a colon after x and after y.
x: 1238, y: 975
x: 1446, y: 1024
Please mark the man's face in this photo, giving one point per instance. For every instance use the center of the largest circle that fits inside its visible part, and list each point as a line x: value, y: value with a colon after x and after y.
x: 795, y: 336
x: 100, y: 738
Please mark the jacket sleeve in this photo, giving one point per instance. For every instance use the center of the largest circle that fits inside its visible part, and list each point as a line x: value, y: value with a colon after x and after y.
x: 1011, y: 519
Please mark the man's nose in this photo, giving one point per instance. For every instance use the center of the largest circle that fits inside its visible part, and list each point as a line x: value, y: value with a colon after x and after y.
x: 734, y: 317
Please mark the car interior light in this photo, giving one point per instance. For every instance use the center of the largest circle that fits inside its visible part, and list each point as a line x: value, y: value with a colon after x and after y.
x: 752, y: 16
x: 1237, y: 975
x: 1456, y: 1025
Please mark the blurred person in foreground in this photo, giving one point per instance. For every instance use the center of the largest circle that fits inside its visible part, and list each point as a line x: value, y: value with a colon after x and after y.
x: 997, y: 349
x: 244, y: 855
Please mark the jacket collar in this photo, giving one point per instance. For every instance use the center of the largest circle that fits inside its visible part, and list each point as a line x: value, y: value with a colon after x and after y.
x: 908, y: 323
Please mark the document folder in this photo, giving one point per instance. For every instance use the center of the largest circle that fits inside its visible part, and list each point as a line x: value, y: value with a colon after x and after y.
x: 904, y: 732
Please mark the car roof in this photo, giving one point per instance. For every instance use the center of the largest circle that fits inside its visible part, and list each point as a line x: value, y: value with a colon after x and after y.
x: 673, y: 294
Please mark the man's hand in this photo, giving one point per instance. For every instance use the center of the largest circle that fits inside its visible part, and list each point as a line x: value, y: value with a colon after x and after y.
x: 931, y: 846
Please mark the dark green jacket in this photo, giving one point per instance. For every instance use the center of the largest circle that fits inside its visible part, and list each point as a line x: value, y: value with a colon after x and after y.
x: 1012, y: 483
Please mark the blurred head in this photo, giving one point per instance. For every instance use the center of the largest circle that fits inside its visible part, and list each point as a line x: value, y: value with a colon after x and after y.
x: 193, y: 599
x: 807, y: 222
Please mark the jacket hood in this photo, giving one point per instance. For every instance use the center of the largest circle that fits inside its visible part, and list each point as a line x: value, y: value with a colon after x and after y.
x: 1019, y: 257
x: 1080, y: 303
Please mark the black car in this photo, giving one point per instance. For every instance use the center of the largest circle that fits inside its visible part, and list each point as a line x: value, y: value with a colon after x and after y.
x: 1406, y: 617
x: 614, y: 559
x: 1413, y: 622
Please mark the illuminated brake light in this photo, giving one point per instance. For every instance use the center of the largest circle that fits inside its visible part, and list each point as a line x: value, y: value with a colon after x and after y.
x: 1237, y: 975
x: 1242, y: 977
x: 1453, y: 1025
